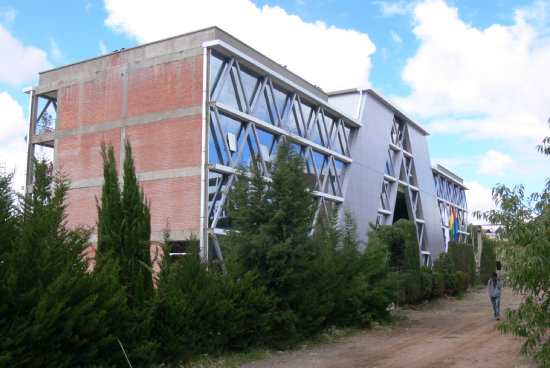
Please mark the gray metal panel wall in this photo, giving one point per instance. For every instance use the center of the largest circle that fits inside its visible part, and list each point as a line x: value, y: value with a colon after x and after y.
x: 366, y: 173
x: 369, y: 152
x: 428, y: 196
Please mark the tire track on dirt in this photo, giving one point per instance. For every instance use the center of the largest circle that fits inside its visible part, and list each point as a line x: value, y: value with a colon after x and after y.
x: 446, y: 333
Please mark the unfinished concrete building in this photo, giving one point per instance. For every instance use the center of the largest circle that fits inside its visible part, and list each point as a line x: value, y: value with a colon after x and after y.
x: 198, y: 105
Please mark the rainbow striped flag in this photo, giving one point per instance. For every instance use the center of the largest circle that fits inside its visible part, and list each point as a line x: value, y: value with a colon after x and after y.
x: 452, y: 223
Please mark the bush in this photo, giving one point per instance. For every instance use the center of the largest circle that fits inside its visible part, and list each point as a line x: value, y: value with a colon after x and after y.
x: 413, y: 288
x: 463, y: 258
x: 438, y: 288
x: 461, y: 282
x: 426, y: 282
x: 402, y: 244
x: 488, y: 260
x: 379, y: 286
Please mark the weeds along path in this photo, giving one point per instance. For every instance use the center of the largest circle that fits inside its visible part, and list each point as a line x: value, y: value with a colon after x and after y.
x: 444, y: 333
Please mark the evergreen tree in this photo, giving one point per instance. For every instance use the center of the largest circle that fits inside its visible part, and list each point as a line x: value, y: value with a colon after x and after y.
x: 274, y: 219
x: 9, y: 213
x: 124, y: 232
x: 109, y: 219
x: 488, y: 260
x: 53, y: 312
x: 124, y: 227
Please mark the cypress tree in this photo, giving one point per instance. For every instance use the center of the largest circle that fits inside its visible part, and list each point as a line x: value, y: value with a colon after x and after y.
x: 124, y: 227
x: 124, y: 232
x: 109, y: 217
x: 274, y: 219
x: 136, y: 235
x: 53, y: 312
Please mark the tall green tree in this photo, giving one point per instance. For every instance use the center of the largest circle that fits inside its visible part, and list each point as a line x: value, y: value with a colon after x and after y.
x: 9, y: 212
x: 53, y: 312
x: 124, y: 227
x: 274, y: 218
x: 524, y: 230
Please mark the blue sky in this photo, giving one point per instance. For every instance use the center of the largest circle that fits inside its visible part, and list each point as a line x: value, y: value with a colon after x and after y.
x: 475, y: 74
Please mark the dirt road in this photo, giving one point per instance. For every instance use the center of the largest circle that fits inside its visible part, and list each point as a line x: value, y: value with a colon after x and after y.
x: 446, y: 333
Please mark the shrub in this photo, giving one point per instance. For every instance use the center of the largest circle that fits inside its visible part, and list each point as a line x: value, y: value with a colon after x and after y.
x: 438, y: 288
x: 426, y: 282
x: 488, y: 259
x: 461, y: 282
x: 463, y: 258
x: 413, y: 287
x: 379, y: 286
x: 402, y: 244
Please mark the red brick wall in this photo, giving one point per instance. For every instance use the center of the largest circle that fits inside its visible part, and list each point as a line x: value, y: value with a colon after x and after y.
x: 81, y: 209
x: 165, y: 86
x: 79, y: 156
x: 175, y: 199
x: 158, y: 145
x: 91, y: 102
x: 167, y: 144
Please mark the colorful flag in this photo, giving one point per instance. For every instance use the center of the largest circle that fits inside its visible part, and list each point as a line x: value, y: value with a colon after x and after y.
x: 452, y: 226
x: 456, y: 225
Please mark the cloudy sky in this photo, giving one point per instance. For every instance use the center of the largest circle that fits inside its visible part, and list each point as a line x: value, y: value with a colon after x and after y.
x: 475, y: 74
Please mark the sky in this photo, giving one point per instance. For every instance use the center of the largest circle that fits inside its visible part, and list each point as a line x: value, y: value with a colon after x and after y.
x: 475, y: 74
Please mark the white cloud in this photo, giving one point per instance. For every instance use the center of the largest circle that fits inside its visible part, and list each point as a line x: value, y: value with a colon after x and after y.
x: 54, y: 49
x: 102, y: 48
x: 13, y: 129
x: 390, y: 9
x: 453, y: 162
x: 19, y: 63
x: 480, y: 199
x: 309, y: 49
x: 495, y: 163
x: 7, y: 15
x: 395, y: 37
x: 491, y: 82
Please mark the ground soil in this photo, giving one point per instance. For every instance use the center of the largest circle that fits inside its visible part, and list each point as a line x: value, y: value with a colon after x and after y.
x: 443, y: 333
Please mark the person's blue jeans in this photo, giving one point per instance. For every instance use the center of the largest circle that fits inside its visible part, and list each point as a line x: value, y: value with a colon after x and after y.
x: 496, y: 305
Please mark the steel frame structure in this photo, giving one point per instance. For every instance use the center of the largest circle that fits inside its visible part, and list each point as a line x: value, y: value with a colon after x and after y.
x: 400, y: 176
x: 39, y: 135
x: 451, y: 193
x: 248, y: 110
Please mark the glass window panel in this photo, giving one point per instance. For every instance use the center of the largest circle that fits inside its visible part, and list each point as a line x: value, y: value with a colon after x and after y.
x: 234, y: 127
x: 314, y: 135
x: 267, y: 139
x: 216, y: 150
x: 340, y: 167
x: 263, y: 109
x: 217, y: 186
x: 292, y: 123
x: 251, y: 83
x: 282, y: 99
x: 307, y: 113
x: 217, y: 63
x: 229, y: 95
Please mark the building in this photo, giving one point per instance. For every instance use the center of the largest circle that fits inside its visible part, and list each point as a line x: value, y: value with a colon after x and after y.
x: 197, y: 105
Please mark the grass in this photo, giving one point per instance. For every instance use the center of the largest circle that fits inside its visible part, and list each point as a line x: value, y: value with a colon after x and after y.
x: 230, y: 360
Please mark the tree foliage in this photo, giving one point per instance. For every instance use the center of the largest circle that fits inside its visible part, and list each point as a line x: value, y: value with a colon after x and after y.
x: 524, y: 231
x: 124, y: 227
x: 488, y: 260
x: 53, y: 312
x: 315, y: 278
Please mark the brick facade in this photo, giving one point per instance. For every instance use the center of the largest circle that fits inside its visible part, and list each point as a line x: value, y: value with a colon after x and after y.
x: 127, y: 101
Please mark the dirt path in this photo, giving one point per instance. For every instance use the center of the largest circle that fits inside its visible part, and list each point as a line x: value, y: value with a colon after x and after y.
x: 445, y: 333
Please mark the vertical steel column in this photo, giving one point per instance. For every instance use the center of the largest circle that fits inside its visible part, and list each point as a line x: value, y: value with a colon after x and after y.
x: 203, y: 236
x: 33, y: 104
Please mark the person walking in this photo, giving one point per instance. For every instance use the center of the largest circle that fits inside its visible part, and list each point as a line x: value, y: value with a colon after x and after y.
x: 495, y: 287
